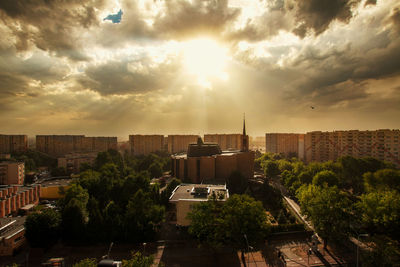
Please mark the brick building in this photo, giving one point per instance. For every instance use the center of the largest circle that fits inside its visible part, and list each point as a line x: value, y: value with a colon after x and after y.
x: 16, y: 197
x: 12, y: 172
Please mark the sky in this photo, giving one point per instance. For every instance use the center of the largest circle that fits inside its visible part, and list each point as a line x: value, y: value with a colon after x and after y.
x: 116, y: 68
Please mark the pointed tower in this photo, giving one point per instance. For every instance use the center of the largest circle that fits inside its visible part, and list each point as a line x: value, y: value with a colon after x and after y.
x: 245, y: 137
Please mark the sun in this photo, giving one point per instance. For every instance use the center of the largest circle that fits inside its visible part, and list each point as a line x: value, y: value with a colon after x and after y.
x: 206, y: 59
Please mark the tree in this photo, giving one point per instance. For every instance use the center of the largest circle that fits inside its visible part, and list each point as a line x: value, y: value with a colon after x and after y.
x: 325, y: 178
x: 271, y: 168
x: 86, y: 263
x: 380, y: 211
x: 138, y: 260
x: 74, y: 212
x: 385, y: 179
x: 42, y: 228
x: 142, y: 216
x: 216, y: 223
x: 383, y: 251
x: 328, y: 208
x: 155, y: 170
x: 236, y: 183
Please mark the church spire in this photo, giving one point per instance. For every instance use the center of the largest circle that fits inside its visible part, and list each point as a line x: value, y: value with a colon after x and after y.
x: 245, y: 138
x: 244, y: 124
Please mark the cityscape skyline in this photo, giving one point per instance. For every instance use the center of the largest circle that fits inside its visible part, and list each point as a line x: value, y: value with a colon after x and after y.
x: 178, y: 67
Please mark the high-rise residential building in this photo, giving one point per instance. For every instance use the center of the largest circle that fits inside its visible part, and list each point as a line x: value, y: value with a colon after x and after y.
x: 379, y: 144
x: 180, y: 143
x: 289, y: 144
x: 225, y: 141
x: 12, y: 172
x: 59, y: 145
x: 13, y: 143
x: 145, y: 144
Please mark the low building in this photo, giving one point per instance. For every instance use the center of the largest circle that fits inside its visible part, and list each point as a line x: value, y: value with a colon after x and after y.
x: 72, y: 161
x: 13, y: 198
x: 12, y: 172
x: 54, y: 189
x: 186, y: 195
x: 12, y: 235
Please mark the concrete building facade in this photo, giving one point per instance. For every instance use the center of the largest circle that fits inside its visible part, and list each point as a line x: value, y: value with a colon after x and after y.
x: 12, y: 172
x: 145, y: 144
x: 225, y: 141
x: 59, y: 145
x: 285, y: 143
x: 72, y: 161
x: 186, y: 195
x: 13, y: 143
x: 380, y: 144
x: 180, y: 143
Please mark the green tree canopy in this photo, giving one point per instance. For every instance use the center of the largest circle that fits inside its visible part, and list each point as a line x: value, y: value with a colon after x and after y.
x: 217, y: 223
x: 380, y: 212
x: 323, y: 178
x: 42, y: 228
x: 328, y: 208
x: 271, y: 168
x: 236, y: 183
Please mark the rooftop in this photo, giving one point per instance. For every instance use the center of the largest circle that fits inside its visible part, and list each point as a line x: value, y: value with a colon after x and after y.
x: 199, y: 192
x: 201, y: 149
x: 56, y: 182
x: 11, y: 226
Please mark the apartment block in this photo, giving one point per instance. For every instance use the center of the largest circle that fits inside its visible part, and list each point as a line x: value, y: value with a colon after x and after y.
x: 380, y: 144
x: 225, y: 141
x: 12, y: 172
x: 285, y: 143
x: 145, y: 144
x: 180, y: 143
x: 59, y: 145
x: 13, y: 143
x: 72, y: 161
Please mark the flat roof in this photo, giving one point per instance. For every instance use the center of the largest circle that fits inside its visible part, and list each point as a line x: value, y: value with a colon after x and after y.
x: 56, y: 182
x: 187, y: 192
x: 11, y: 226
x: 224, y: 153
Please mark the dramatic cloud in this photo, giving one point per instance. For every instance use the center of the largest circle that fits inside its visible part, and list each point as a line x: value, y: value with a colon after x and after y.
x: 193, y: 66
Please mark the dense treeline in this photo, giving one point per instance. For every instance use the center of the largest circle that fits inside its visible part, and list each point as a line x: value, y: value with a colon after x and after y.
x: 344, y: 198
x: 113, y: 200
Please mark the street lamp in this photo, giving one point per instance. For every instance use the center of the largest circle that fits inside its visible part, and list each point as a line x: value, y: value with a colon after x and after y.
x: 358, y: 241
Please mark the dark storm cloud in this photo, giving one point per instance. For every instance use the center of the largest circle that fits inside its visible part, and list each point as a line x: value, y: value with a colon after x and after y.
x: 122, y: 77
x: 49, y: 25
x: 318, y: 14
x: 183, y: 19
